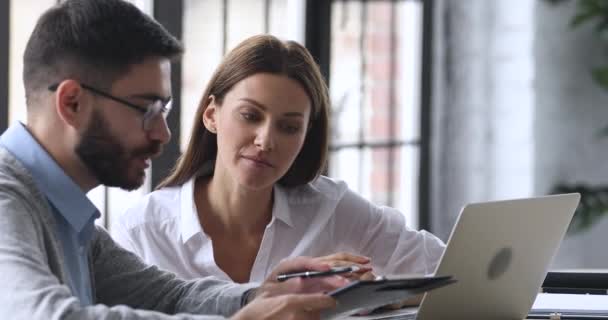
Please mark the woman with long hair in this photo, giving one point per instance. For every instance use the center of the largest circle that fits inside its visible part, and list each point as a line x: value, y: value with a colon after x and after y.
x: 248, y: 191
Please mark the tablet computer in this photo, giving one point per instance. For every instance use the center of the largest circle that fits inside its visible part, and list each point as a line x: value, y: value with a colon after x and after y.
x: 369, y: 294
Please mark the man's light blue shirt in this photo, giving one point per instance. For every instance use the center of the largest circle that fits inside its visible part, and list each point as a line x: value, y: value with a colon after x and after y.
x: 74, y: 212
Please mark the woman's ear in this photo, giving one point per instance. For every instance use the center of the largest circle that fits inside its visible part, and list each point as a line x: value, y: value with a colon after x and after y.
x: 210, y: 114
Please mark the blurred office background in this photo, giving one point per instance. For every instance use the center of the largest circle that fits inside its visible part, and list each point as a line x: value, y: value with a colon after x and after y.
x: 436, y: 103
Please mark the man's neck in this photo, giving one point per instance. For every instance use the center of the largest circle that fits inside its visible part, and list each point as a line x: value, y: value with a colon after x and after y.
x: 65, y: 157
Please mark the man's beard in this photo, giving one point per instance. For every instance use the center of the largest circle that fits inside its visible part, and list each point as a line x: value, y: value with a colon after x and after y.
x: 107, y: 159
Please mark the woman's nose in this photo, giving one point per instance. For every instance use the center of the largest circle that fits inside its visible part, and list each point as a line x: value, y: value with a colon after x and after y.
x: 264, y: 139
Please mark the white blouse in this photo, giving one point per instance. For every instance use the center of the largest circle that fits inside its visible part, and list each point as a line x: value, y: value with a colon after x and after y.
x: 317, y: 219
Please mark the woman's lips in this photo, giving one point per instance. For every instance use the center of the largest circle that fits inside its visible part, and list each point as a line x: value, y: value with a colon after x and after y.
x: 259, y: 161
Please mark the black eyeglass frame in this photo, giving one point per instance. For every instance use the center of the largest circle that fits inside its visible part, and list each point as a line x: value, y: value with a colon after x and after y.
x: 149, y: 113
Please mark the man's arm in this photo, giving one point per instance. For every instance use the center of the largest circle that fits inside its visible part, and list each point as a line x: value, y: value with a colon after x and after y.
x: 121, y: 277
x: 29, y: 289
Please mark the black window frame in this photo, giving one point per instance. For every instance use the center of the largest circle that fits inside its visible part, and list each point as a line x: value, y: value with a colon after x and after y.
x: 5, y: 14
x: 318, y: 42
x: 170, y: 15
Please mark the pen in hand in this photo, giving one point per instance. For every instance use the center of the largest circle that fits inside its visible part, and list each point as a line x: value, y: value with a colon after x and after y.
x: 312, y: 274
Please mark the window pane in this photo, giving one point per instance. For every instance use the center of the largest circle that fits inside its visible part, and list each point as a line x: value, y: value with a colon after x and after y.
x: 406, y: 189
x: 24, y: 15
x: 375, y: 71
x: 372, y: 173
x: 345, y: 164
x: 378, y: 73
x: 409, y: 48
x: 345, y: 68
x: 203, y: 42
x: 245, y: 19
x: 288, y: 20
x: 375, y: 76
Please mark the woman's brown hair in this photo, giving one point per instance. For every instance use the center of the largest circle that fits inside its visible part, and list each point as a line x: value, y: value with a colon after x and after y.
x: 262, y: 54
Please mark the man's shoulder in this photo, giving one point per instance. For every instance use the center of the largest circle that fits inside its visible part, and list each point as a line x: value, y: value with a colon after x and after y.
x: 11, y: 169
x: 19, y: 199
x: 16, y: 182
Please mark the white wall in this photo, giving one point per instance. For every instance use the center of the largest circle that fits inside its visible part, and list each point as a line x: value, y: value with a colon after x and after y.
x: 516, y: 111
x: 483, y: 105
x: 570, y: 109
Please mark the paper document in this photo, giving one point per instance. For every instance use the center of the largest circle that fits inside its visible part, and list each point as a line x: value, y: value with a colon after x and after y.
x: 571, y: 303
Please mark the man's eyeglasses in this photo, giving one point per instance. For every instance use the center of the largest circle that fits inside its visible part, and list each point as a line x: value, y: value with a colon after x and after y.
x: 150, y: 111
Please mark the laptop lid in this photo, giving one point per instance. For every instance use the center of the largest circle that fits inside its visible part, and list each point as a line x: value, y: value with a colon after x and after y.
x: 499, y: 252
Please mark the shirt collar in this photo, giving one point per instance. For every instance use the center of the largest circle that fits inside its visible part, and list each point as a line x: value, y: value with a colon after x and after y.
x: 63, y: 193
x: 280, y: 209
x: 190, y: 225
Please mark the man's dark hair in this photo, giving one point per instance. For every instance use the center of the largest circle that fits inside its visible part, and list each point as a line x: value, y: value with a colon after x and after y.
x: 93, y: 41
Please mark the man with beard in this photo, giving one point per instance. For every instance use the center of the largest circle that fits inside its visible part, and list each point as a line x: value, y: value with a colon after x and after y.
x: 97, y: 82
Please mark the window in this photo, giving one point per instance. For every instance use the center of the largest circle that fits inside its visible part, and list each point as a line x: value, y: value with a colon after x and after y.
x: 374, y: 84
x: 374, y: 65
x: 24, y: 15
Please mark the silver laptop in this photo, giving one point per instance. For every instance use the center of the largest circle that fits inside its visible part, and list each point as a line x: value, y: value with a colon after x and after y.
x: 500, y: 253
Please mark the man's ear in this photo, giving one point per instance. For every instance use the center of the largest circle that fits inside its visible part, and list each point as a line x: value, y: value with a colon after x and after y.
x: 210, y: 114
x: 69, y: 103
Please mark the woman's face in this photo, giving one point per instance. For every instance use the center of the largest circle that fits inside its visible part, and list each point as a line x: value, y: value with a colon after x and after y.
x: 260, y: 126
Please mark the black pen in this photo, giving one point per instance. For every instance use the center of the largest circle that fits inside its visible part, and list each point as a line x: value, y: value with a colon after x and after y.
x: 312, y: 274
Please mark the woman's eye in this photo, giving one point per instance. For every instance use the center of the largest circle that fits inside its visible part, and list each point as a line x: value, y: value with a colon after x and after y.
x: 249, y: 116
x: 290, y: 129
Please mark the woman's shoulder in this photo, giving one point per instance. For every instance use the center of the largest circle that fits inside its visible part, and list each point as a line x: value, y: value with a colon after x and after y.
x: 156, y: 206
x: 320, y: 189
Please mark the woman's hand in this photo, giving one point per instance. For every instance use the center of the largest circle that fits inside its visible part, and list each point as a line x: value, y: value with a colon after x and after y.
x: 343, y: 259
x: 271, y: 287
x: 296, y: 298
x: 365, y: 273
